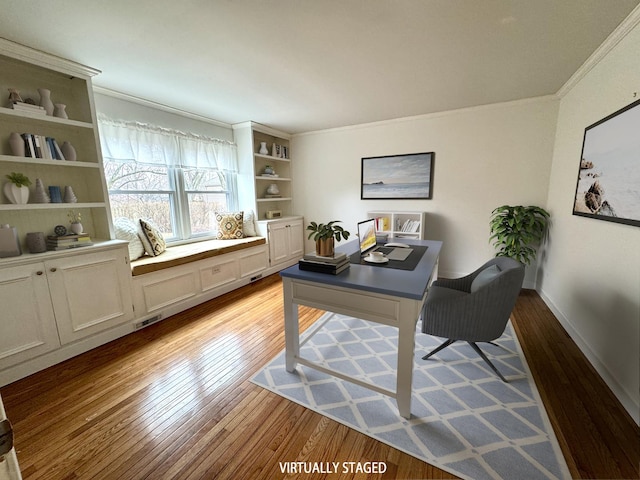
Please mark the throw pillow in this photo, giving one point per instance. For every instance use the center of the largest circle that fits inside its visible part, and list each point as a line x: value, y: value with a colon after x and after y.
x: 485, y: 277
x: 152, y: 238
x: 229, y: 225
x: 125, y: 229
x: 248, y: 224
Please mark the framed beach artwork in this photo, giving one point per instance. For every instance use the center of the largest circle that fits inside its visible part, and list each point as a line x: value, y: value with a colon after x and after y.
x: 608, y: 186
x: 407, y: 176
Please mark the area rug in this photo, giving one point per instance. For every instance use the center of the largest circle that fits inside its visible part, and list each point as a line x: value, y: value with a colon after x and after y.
x: 465, y: 420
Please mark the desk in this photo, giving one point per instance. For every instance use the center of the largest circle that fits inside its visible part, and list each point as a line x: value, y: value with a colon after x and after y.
x: 383, y: 295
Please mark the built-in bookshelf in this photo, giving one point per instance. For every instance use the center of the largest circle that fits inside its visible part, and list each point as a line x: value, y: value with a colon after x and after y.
x: 399, y: 224
x: 27, y: 71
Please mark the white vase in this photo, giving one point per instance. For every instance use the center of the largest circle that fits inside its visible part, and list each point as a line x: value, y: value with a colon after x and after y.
x: 45, y: 100
x: 68, y: 151
x: 17, y: 144
x: 59, y: 110
x: 273, y: 189
x: 41, y: 195
x: 76, y: 228
x: 16, y: 195
x: 263, y: 148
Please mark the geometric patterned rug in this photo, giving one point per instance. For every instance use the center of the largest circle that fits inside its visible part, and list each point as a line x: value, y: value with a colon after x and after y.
x: 465, y: 420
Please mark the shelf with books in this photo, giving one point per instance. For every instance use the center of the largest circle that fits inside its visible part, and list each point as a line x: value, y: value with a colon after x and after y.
x: 400, y: 224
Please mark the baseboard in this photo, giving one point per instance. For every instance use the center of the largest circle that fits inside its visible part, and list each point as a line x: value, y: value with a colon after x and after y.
x: 629, y: 404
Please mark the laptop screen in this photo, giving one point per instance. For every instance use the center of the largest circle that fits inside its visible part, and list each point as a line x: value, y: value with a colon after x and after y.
x: 367, y: 235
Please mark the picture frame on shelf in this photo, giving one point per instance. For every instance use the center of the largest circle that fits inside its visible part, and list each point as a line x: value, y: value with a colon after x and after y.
x: 407, y: 176
x: 609, y: 169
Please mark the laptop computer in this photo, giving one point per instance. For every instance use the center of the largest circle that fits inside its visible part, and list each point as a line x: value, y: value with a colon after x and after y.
x: 368, y: 244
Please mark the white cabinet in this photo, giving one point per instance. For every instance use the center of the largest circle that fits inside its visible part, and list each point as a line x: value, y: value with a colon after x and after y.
x: 64, y: 298
x: 264, y: 179
x: 285, y: 238
x: 399, y: 224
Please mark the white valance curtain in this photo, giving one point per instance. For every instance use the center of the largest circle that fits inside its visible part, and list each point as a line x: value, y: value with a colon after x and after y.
x: 149, y: 144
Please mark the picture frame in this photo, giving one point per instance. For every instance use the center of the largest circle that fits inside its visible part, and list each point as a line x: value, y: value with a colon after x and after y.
x: 407, y: 176
x: 609, y: 169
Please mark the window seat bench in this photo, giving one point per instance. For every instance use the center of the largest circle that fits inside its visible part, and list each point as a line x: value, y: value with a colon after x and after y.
x: 186, y: 275
x: 191, y: 252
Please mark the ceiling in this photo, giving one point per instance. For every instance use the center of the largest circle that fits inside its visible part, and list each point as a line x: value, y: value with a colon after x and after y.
x: 305, y: 65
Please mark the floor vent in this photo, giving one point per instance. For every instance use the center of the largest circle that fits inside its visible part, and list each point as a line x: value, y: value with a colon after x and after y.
x: 148, y: 321
x: 257, y: 277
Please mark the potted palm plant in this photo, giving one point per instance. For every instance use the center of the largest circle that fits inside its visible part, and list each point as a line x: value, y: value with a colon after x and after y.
x: 325, y: 234
x: 516, y: 231
x: 17, y: 189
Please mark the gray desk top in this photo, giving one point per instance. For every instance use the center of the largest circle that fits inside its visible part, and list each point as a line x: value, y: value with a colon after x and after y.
x: 401, y: 283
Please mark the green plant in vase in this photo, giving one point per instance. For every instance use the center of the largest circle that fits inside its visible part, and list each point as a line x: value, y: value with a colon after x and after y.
x: 17, y: 189
x: 516, y: 231
x: 325, y: 234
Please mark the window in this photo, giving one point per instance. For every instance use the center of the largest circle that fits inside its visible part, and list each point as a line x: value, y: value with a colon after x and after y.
x: 175, y: 179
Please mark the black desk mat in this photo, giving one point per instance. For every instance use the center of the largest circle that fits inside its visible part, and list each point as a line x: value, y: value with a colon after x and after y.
x: 409, y: 264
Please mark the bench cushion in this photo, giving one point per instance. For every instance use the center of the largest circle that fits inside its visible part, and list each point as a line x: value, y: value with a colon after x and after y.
x: 192, y: 252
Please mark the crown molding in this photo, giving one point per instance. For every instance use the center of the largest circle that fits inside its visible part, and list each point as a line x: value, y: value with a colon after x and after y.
x: 627, y: 25
x: 158, y: 106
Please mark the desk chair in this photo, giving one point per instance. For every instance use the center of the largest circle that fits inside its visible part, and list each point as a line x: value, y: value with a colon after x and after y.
x: 474, y: 308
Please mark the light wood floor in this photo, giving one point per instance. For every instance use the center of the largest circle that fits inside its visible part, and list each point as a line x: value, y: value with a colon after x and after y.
x: 174, y: 401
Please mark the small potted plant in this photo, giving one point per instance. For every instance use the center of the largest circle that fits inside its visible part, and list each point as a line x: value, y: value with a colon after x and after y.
x: 517, y: 230
x: 17, y: 189
x: 76, y: 221
x: 325, y: 234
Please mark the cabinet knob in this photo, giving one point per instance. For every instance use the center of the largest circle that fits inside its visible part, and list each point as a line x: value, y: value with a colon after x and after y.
x: 39, y: 272
x: 53, y: 269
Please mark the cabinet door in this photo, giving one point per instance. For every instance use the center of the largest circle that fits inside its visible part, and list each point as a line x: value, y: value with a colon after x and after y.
x: 90, y: 292
x: 278, y: 242
x: 296, y: 238
x: 27, y: 323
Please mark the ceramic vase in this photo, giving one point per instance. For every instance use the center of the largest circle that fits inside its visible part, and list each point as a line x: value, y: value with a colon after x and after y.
x: 60, y: 110
x: 45, y: 100
x: 76, y: 228
x: 68, y: 151
x: 263, y: 148
x: 273, y: 189
x: 40, y: 195
x: 69, y: 196
x: 36, y: 242
x: 15, y: 194
x: 17, y: 144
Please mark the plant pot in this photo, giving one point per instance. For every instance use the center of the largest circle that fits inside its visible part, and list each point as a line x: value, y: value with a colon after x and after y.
x: 15, y: 194
x: 76, y: 228
x: 324, y: 247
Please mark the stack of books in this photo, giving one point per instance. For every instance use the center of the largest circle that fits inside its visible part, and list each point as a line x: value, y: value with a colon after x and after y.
x: 65, y: 242
x: 333, y: 265
x: 39, y: 146
x: 28, y: 107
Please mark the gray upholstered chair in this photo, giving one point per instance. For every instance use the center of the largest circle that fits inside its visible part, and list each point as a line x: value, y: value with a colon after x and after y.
x: 474, y: 308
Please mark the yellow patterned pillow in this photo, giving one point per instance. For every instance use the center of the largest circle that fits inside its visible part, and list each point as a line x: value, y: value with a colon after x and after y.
x: 151, y: 238
x: 229, y: 225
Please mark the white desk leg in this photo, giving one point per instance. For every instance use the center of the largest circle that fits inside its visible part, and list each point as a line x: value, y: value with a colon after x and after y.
x: 406, y: 345
x: 291, y: 328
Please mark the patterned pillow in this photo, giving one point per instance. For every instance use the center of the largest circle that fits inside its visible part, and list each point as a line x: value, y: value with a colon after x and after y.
x: 152, y: 238
x: 125, y: 229
x: 229, y: 225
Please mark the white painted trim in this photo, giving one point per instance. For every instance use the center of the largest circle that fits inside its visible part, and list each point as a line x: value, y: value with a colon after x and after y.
x: 631, y: 406
x: 446, y: 113
x: 158, y: 106
x: 261, y: 128
x: 627, y: 25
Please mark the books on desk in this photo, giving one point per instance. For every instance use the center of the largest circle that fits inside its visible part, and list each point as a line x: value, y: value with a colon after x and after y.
x: 332, y: 265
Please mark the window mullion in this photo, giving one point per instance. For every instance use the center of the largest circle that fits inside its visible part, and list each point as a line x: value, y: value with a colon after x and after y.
x: 181, y: 207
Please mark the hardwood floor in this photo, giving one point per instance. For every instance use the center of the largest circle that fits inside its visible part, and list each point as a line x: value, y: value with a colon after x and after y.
x: 174, y: 401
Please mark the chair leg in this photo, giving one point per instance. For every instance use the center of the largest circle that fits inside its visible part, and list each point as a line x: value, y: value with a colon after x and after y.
x: 436, y: 350
x: 484, y: 357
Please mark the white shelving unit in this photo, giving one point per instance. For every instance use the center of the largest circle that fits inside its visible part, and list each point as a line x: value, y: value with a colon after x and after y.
x: 400, y: 224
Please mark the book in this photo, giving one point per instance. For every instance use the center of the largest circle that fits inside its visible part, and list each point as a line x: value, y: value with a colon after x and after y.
x: 69, y: 246
x: 323, y: 268
x: 337, y: 258
x: 27, y: 107
x: 38, y: 146
x: 59, y: 154
x: 51, y: 148
x: 29, y: 146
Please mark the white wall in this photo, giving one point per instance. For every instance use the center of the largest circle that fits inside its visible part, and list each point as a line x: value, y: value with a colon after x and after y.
x: 591, y: 276
x: 484, y: 157
x: 122, y: 109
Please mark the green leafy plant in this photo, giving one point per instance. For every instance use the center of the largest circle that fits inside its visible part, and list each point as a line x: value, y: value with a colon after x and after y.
x: 19, y: 179
x: 516, y: 231
x: 322, y: 231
